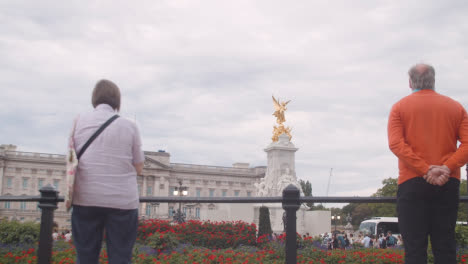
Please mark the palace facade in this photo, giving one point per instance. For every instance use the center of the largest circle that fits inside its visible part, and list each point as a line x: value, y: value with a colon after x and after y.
x: 24, y: 173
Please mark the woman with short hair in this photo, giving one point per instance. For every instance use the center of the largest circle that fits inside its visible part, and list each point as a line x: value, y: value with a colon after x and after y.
x: 105, y: 195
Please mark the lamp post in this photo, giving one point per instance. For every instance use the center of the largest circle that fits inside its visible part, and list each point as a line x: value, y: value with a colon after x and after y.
x: 181, y: 191
x: 349, y: 219
x: 335, y: 218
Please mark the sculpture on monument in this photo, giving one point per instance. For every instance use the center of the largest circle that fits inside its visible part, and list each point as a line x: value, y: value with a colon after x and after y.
x: 280, y: 108
x: 261, y: 188
x: 280, y: 174
x: 281, y: 168
x: 285, y: 180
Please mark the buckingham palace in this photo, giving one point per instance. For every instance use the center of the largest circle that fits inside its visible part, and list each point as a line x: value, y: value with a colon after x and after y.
x: 24, y: 173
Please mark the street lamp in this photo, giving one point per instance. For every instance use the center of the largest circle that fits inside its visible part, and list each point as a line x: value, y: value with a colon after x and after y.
x: 336, y: 218
x: 180, y: 191
x: 349, y: 219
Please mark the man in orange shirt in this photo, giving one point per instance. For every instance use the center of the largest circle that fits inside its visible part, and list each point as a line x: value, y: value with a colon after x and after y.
x: 423, y: 131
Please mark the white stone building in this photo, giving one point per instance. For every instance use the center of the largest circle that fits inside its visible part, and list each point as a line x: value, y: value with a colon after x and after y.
x: 24, y: 173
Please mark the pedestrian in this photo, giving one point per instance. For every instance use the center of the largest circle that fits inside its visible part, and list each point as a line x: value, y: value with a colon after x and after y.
x: 423, y: 130
x: 391, y: 240
x: 67, y: 235
x: 55, y: 235
x: 335, y: 242
x: 371, y: 241
x: 106, y: 190
x: 382, y: 241
x: 342, y: 241
x: 399, y: 240
x: 351, y: 239
x: 366, y: 241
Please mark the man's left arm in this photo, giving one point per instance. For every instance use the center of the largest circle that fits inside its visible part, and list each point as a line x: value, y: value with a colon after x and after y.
x: 460, y: 157
x: 398, y: 145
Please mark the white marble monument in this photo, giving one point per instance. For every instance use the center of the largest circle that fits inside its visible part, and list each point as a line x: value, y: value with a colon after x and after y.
x: 281, y: 169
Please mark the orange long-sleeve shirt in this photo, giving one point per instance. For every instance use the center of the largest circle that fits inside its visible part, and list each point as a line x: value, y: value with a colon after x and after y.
x: 423, y: 130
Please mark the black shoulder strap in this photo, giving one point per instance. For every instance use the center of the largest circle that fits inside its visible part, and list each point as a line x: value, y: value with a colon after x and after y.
x: 96, y: 134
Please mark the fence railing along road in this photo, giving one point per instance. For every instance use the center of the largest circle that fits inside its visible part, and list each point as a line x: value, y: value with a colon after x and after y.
x: 290, y: 201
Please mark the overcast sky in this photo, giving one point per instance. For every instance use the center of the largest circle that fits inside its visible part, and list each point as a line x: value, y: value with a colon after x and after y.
x: 198, y: 76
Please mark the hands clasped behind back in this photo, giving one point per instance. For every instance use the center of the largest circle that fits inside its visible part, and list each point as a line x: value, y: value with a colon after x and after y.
x: 437, y: 175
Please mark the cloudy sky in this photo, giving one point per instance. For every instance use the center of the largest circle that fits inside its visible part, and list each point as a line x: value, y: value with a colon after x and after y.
x: 198, y: 76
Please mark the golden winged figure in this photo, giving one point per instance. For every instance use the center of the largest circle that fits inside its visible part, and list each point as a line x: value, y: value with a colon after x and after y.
x: 280, y: 108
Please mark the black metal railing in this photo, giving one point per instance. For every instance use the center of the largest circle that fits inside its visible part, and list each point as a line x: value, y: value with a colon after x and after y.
x: 290, y: 201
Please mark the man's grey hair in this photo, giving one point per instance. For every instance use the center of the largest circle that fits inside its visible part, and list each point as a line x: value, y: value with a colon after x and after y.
x: 422, y: 76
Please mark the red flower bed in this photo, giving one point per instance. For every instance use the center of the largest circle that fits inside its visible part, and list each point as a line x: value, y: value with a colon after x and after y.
x: 205, y: 234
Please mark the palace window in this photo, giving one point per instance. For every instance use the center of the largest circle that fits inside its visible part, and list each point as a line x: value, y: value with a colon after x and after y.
x: 7, y: 205
x: 56, y: 184
x: 212, y: 192
x: 149, y: 191
x: 224, y: 193
x: 198, y: 192
x: 236, y: 193
x: 148, y: 209
x: 23, y: 206
x: 40, y: 183
x: 171, y: 191
x: 249, y: 194
x: 25, y: 183
x: 171, y: 211
x: 197, y: 212
x: 9, y: 182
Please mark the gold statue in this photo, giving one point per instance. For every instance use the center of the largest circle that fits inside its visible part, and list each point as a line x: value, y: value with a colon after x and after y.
x: 280, y: 108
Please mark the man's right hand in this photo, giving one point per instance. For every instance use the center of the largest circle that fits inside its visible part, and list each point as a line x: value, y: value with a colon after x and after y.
x: 437, y: 175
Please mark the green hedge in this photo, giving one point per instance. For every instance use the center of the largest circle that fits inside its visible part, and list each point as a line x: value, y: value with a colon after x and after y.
x: 14, y: 232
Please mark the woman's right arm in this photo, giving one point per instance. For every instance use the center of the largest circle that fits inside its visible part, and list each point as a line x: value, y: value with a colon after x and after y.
x: 138, y: 155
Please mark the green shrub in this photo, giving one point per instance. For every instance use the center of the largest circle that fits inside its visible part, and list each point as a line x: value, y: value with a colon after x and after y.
x: 14, y: 232
x: 160, y: 241
x: 461, y: 236
x: 264, y: 224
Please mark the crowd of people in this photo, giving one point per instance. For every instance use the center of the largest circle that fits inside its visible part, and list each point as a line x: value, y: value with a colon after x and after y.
x: 65, y: 235
x: 343, y: 241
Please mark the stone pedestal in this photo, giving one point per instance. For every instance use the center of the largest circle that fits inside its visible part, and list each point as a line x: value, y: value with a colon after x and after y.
x: 312, y: 222
x: 281, y: 169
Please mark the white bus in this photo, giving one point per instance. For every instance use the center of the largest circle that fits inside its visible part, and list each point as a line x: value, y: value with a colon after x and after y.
x: 379, y: 225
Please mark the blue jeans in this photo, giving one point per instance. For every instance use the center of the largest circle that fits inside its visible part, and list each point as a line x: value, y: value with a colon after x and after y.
x: 88, y: 225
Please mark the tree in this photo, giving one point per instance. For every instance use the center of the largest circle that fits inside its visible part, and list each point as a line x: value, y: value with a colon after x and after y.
x: 349, y: 209
x: 264, y: 224
x: 361, y: 212
x: 307, y: 190
x: 389, y: 189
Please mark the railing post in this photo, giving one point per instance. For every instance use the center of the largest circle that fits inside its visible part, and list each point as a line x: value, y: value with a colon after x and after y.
x: 290, y: 205
x: 466, y: 205
x: 47, y: 203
